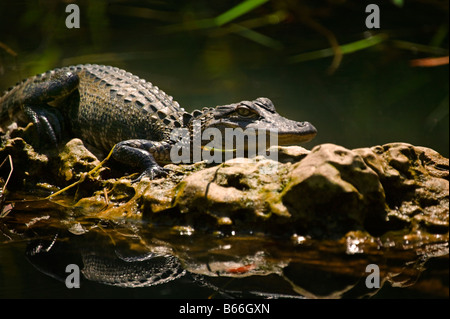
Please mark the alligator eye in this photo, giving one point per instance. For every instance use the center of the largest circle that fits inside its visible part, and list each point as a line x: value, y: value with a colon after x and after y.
x: 243, y: 111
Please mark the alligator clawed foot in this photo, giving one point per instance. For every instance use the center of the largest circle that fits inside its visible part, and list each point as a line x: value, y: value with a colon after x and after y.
x: 48, y: 123
x: 153, y: 172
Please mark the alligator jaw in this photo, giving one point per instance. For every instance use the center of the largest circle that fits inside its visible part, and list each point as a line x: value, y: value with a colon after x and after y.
x: 305, y: 134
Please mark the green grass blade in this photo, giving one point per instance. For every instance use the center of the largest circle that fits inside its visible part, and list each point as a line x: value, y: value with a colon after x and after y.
x: 238, y: 11
x: 258, y: 37
x: 345, y: 49
x: 406, y: 45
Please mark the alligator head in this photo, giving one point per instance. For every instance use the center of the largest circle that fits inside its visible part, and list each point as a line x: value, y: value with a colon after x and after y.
x: 255, y: 116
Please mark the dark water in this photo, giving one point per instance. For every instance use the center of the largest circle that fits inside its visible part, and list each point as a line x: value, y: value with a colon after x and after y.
x: 374, y: 97
x: 127, y: 259
x: 344, y: 276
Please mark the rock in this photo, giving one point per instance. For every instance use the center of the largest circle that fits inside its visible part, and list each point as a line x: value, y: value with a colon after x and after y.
x: 333, y: 191
x: 238, y: 192
x: 323, y: 193
x: 416, y: 183
x: 289, y: 154
x: 329, y: 192
x: 75, y: 159
x: 29, y: 166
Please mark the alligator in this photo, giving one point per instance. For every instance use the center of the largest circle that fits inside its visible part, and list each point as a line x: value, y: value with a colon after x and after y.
x: 114, y: 110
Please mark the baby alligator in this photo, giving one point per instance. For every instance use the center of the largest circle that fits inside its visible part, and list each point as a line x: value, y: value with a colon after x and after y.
x: 108, y: 107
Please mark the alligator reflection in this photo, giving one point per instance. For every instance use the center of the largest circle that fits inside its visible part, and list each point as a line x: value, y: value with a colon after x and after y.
x: 103, y: 260
x: 138, y: 254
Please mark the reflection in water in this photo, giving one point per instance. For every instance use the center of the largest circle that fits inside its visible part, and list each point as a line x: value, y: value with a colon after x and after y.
x: 138, y: 254
x: 102, y: 262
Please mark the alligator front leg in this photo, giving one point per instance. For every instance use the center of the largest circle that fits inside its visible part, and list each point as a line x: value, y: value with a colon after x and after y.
x: 145, y: 155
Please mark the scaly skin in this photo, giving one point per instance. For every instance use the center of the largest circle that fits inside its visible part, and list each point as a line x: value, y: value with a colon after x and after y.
x: 108, y: 107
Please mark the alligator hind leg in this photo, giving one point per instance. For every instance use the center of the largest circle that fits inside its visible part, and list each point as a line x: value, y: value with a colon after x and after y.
x: 48, y: 122
x: 142, y: 154
x: 40, y: 99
